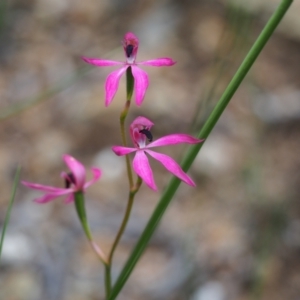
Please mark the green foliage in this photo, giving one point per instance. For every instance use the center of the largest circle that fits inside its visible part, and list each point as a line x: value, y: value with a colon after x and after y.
x: 11, y: 202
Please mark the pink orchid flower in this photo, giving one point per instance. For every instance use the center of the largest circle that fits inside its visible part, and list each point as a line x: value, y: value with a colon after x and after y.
x: 75, y: 182
x: 141, y: 80
x: 140, y: 132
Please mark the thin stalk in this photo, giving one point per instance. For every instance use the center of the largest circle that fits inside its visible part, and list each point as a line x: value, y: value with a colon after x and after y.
x: 130, y: 201
x: 133, y: 189
x: 193, y: 151
x: 131, y: 196
x: 80, y: 209
x: 11, y: 202
x: 107, y: 281
x: 123, y: 116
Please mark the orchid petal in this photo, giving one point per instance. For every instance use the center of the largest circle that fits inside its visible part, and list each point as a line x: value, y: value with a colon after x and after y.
x: 69, y: 199
x: 141, y: 83
x: 141, y: 121
x: 158, y: 62
x: 142, y: 167
x: 51, y: 196
x: 112, y: 84
x: 130, y: 37
x: 173, y: 139
x: 77, y: 170
x: 172, y: 166
x: 101, y: 62
x: 41, y: 187
x: 120, y: 150
x: 46, y: 198
x: 96, y: 177
x: 133, y: 42
x: 136, y: 131
x: 76, y: 180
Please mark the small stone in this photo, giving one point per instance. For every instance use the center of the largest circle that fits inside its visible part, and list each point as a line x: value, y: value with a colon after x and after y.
x: 212, y: 290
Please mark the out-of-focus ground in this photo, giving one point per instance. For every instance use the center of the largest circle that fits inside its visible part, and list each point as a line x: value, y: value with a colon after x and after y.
x: 237, y: 234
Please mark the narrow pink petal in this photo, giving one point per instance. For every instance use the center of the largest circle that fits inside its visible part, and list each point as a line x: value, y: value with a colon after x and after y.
x: 96, y: 177
x: 141, y: 83
x: 69, y: 199
x: 173, y: 139
x: 120, y: 150
x: 158, y: 62
x: 101, y: 62
x: 51, y: 196
x: 40, y: 187
x: 172, y: 166
x: 112, y: 84
x: 46, y: 198
x: 77, y: 169
x: 142, y: 168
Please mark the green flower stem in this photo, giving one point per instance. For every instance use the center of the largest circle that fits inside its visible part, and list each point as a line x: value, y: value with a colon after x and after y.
x: 133, y: 189
x: 124, y: 113
x: 107, y: 280
x: 124, y: 142
x: 131, y: 196
x: 193, y: 151
x: 123, y: 225
x: 129, y: 83
x: 80, y: 209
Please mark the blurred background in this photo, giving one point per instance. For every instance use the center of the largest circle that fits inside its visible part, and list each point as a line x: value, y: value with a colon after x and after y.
x: 237, y: 234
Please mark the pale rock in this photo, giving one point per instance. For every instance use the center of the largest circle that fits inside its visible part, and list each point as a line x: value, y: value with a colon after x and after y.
x: 17, y: 248
x: 212, y: 290
x: 112, y: 166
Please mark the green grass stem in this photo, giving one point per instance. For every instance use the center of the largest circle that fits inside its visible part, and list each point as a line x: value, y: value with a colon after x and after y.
x: 11, y: 202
